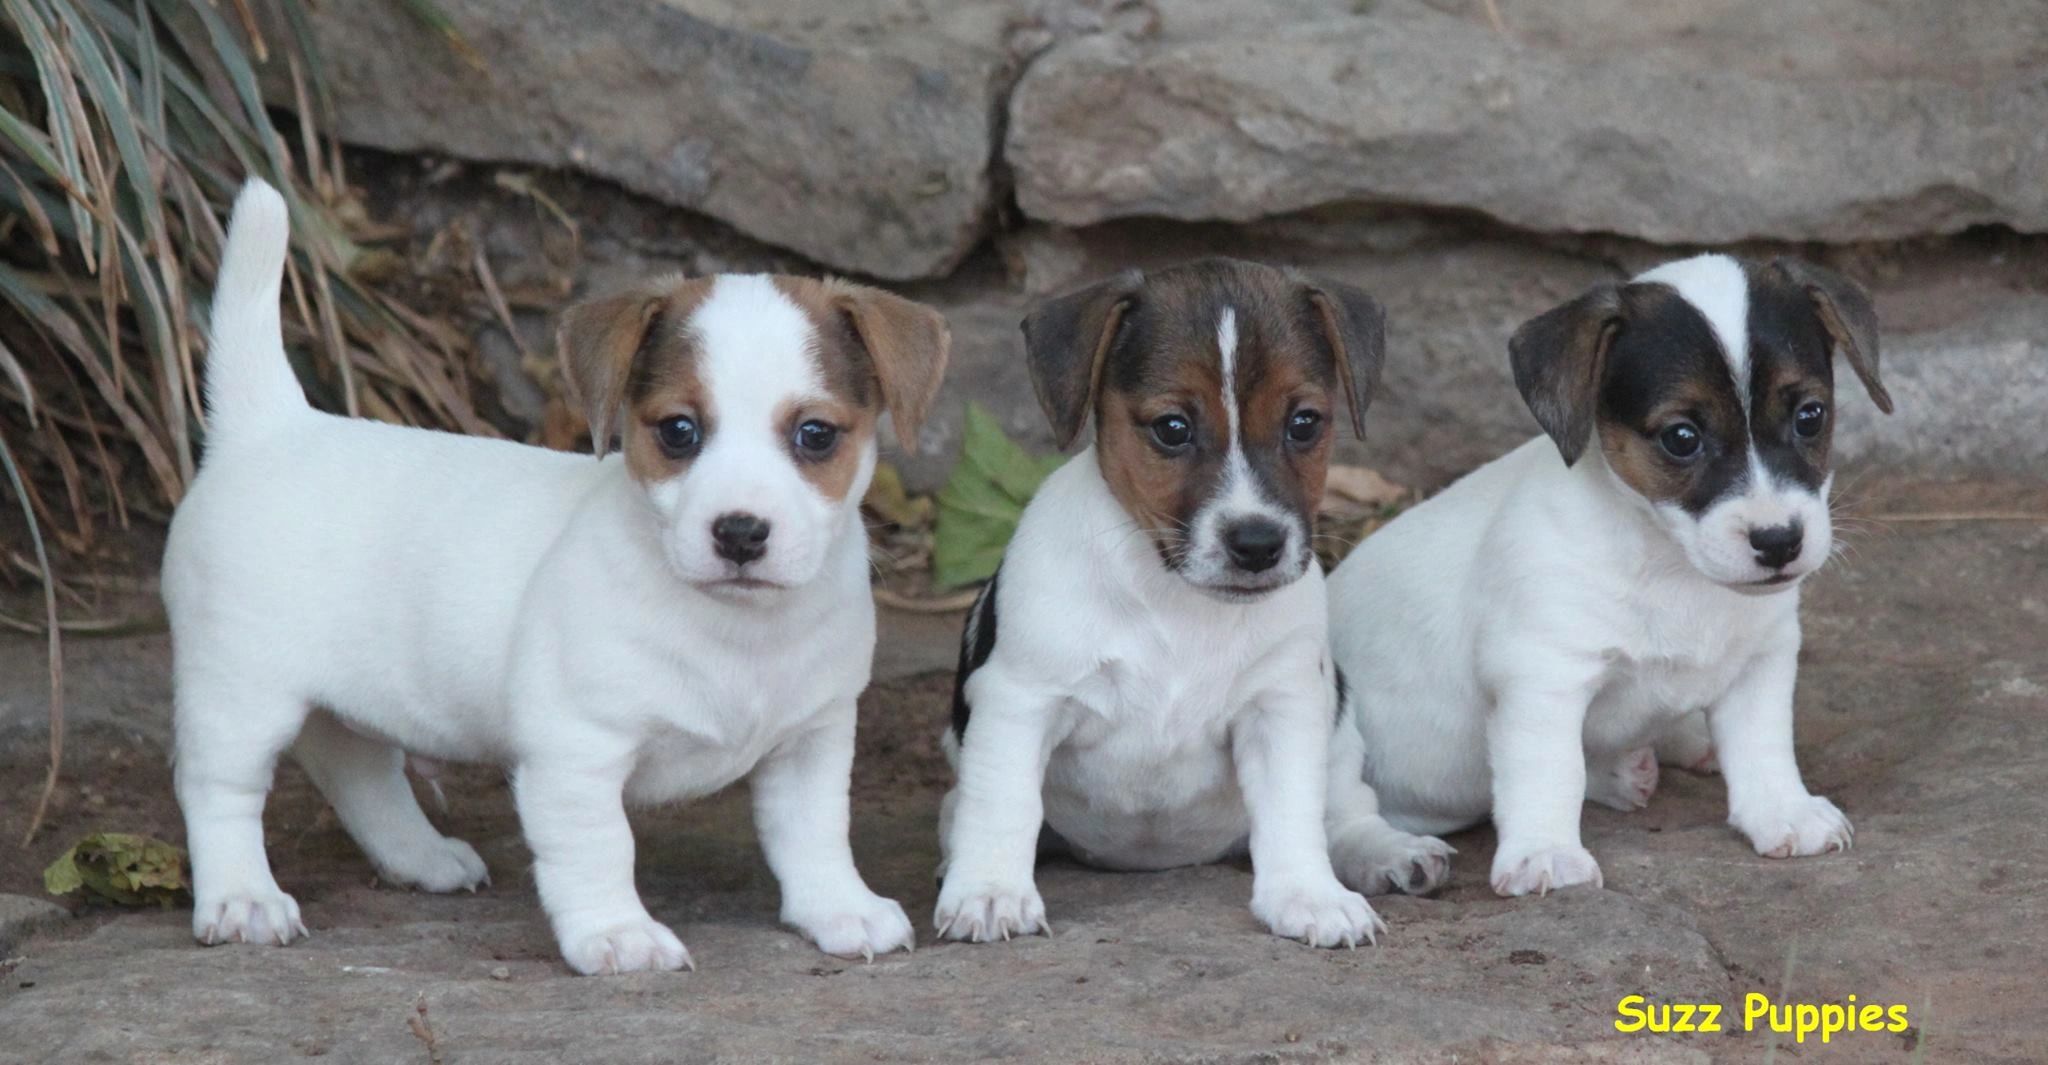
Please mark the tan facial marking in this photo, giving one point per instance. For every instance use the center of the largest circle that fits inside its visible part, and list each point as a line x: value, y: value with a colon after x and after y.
x: 1635, y: 455
x: 1280, y: 392
x: 666, y: 384
x: 875, y: 350
x: 1162, y: 492
x: 834, y: 474
x: 629, y: 363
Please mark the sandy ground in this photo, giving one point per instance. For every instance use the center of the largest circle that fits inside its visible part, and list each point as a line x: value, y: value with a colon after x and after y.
x: 1923, y: 711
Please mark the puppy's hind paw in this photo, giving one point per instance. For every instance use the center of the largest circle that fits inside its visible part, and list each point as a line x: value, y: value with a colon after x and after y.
x: 633, y: 946
x: 1327, y: 915
x: 1388, y: 860
x: 862, y: 929
x: 260, y: 916
x: 985, y: 913
x: 1627, y: 784
x: 447, y: 864
x: 1542, y: 871
x: 1797, y: 828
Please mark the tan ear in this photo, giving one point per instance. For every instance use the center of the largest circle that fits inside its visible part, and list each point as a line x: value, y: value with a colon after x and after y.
x: 1559, y: 358
x: 1846, y: 313
x: 1065, y: 341
x: 909, y: 344
x: 1355, y: 327
x: 597, y: 341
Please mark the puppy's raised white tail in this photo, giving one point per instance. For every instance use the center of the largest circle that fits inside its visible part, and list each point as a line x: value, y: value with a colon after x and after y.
x: 249, y: 383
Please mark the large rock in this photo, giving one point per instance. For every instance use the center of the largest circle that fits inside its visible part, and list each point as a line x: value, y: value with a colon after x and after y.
x: 1837, y: 121
x: 859, y: 136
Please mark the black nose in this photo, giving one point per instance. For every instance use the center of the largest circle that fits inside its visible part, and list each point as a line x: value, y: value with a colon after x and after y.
x: 1776, y: 545
x: 740, y: 537
x: 1254, y: 544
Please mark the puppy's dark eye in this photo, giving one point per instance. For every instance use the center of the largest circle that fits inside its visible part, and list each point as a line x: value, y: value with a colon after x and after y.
x: 1173, y: 431
x: 815, y: 439
x: 1304, y: 426
x: 1680, y: 441
x: 1810, y: 418
x: 679, y: 436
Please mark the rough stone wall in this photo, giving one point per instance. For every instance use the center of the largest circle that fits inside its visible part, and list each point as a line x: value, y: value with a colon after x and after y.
x: 1472, y: 173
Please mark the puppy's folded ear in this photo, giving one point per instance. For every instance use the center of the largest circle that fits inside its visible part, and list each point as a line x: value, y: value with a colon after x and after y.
x: 1846, y: 313
x: 597, y: 342
x: 1065, y: 341
x: 1559, y: 357
x: 908, y: 343
x: 1355, y: 327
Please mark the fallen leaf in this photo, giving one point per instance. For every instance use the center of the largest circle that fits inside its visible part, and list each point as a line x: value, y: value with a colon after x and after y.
x: 1363, y: 486
x: 982, y: 500
x: 122, y: 868
x: 891, y: 502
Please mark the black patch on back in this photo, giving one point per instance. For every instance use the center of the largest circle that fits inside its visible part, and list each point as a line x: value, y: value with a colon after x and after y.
x: 1665, y: 348
x: 1343, y: 690
x: 977, y: 642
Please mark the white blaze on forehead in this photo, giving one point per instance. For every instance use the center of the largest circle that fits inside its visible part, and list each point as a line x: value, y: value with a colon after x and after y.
x: 1240, y: 489
x: 756, y: 349
x: 1716, y: 286
x: 1226, y: 342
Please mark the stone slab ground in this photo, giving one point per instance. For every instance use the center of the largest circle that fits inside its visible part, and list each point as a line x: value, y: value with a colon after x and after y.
x: 1924, y: 712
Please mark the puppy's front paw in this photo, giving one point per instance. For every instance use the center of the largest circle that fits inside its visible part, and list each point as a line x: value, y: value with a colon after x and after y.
x: 984, y: 912
x: 1796, y: 828
x: 861, y: 928
x: 1543, y: 870
x: 1320, y: 915
x: 637, y: 945
x: 1627, y: 783
x: 445, y: 865
x: 267, y: 916
x: 1386, y: 860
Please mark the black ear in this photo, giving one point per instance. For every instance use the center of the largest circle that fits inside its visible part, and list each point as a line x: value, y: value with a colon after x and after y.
x: 1065, y: 340
x: 1558, y: 358
x: 1355, y: 327
x: 1846, y: 313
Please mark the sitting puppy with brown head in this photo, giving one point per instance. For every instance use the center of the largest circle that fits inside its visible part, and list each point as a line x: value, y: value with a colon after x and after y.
x: 1146, y: 682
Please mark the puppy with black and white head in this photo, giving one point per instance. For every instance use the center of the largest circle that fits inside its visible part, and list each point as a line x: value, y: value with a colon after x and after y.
x: 643, y: 629
x: 1146, y: 682
x: 1534, y: 636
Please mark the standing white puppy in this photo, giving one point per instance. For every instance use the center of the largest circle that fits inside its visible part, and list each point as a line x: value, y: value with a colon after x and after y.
x: 641, y: 629
x: 1532, y: 636
x: 1147, y: 682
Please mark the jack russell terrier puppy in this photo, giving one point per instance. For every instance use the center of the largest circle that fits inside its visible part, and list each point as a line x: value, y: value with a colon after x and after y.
x: 1533, y: 636
x: 642, y: 629
x: 1146, y: 683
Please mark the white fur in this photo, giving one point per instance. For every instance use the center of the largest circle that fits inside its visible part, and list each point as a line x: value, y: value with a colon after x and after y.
x: 1517, y: 645
x: 1150, y: 725
x: 349, y: 590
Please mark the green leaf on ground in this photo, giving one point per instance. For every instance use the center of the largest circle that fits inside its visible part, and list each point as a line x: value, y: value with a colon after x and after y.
x: 121, y: 868
x: 982, y: 500
x: 891, y: 502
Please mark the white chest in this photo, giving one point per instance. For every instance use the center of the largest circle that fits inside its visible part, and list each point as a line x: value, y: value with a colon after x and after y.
x: 710, y: 726
x: 1673, y: 662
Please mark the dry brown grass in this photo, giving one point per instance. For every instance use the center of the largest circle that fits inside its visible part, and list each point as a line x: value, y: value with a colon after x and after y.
x: 125, y: 130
